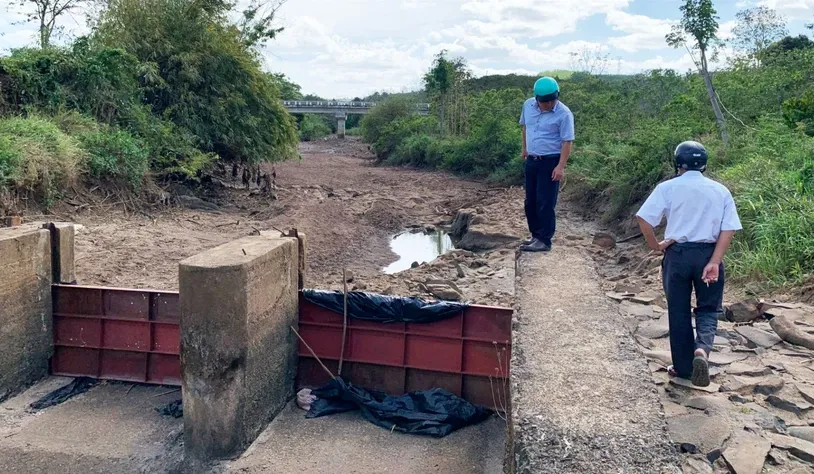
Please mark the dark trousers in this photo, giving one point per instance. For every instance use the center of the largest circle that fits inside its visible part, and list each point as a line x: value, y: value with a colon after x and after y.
x: 541, y: 197
x: 682, y: 269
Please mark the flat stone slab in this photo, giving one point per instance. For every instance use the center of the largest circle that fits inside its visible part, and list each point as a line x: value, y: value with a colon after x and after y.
x: 711, y: 388
x: 656, y: 329
x: 763, y: 385
x: 803, y: 432
x: 707, y: 432
x: 739, y: 368
x: 726, y: 358
x: 709, y: 402
x: 797, y: 447
x: 759, y: 337
x: 746, y: 453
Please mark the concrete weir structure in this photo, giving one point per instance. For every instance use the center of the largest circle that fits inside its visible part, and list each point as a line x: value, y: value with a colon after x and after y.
x: 25, y: 307
x: 581, y: 397
x: 238, y: 354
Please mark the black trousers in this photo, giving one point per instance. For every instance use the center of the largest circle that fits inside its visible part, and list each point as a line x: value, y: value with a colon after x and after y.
x: 541, y: 196
x: 682, y: 269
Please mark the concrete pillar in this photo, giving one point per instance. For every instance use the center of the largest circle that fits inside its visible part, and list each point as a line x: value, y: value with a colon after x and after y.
x: 238, y: 355
x: 62, y: 251
x: 340, y: 125
x: 25, y: 307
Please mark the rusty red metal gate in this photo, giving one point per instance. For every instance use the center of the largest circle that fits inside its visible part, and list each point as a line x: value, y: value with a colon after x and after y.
x: 467, y: 355
x: 116, y: 334
x: 134, y: 336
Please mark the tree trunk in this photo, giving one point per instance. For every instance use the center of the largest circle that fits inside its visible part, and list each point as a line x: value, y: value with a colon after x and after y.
x: 719, y: 117
x: 442, y: 114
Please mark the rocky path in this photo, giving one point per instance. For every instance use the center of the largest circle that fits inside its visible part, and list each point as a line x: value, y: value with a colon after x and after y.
x: 757, y: 416
x: 581, y: 394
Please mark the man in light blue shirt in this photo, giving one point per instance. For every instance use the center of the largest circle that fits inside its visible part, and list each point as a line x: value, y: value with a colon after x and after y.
x: 548, y: 136
x: 701, y: 222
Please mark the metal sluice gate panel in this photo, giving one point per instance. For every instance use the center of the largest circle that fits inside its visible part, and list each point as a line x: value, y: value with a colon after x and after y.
x: 467, y: 355
x: 134, y: 336
x: 116, y: 334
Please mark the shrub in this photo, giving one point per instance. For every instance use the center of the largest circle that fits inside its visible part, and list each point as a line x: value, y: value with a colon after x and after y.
x: 383, y: 114
x: 116, y: 155
x: 36, y: 156
x: 313, y: 127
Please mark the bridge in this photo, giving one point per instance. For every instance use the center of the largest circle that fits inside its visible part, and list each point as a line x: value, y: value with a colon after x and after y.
x: 339, y: 109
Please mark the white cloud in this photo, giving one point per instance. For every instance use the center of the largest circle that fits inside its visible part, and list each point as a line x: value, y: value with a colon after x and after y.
x: 532, y: 18
x: 352, y: 48
x: 792, y: 9
x: 644, y: 33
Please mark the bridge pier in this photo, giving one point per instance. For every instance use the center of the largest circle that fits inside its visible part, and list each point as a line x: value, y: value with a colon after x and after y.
x: 341, y: 118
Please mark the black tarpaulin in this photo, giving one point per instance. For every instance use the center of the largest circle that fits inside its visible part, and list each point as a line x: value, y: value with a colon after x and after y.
x: 435, y: 412
x: 384, y: 308
x: 77, y: 386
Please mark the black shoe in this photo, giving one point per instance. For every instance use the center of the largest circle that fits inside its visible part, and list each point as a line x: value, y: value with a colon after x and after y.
x: 528, y: 242
x: 700, y: 372
x: 535, y: 246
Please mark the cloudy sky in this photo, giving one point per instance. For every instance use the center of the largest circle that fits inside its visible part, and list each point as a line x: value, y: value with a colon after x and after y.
x: 355, y: 47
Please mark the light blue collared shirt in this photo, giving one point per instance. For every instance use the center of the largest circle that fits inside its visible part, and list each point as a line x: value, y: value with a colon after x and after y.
x: 546, y: 131
x: 697, y: 208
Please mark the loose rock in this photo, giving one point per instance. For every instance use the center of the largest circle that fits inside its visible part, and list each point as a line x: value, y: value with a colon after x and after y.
x: 803, y: 432
x: 739, y: 368
x: 788, y: 405
x: 711, y: 388
x: 746, y: 453
x: 762, y: 385
x: 725, y: 358
x: 743, y: 312
x: 604, y: 240
x: 708, y: 402
x: 656, y: 329
x: 797, y: 447
x: 708, y: 432
x: 758, y: 337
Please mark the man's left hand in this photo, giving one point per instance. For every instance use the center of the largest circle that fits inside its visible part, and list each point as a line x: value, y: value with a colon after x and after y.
x: 558, y: 173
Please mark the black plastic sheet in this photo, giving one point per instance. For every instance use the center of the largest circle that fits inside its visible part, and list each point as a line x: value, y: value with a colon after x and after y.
x: 77, y: 386
x: 435, y: 412
x: 384, y: 308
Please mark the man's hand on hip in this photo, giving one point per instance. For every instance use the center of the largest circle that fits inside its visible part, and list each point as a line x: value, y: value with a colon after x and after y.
x: 558, y: 173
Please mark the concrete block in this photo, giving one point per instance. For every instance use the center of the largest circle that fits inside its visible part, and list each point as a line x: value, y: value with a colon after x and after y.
x: 26, y: 338
x: 12, y: 221
x: 62, y: 251
x: 238, y: 355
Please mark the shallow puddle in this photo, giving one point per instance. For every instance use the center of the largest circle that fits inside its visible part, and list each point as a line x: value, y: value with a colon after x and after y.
x: 417, y: 247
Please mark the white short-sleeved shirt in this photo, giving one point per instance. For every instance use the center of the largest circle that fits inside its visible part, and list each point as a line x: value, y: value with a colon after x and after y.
x: 697, y: 208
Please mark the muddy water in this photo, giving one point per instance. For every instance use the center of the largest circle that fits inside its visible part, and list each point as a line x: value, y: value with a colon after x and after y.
x: 418, y: 247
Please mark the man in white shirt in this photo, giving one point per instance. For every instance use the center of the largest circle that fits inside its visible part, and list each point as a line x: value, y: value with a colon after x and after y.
x: 701, y: 222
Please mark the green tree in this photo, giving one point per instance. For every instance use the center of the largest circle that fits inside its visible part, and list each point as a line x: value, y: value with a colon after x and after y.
x: 698, y: 30
x: 204, y: 76
x: 756, y: 29
x: 445, y: 85
x: 288, y: 89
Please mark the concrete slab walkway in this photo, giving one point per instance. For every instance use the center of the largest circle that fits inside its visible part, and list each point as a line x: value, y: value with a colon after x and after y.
x: 582, y: 397
x: 111, y: 428
x: 347, y: 443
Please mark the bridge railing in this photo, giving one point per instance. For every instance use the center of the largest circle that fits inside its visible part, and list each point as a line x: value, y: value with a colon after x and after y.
x: 317, y: 104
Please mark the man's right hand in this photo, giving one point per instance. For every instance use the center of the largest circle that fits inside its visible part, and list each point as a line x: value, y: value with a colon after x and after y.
x: 525, y: 154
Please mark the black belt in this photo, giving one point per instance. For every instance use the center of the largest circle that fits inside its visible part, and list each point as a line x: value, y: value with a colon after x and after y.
x: 543, y: 157
x: 694, y: 245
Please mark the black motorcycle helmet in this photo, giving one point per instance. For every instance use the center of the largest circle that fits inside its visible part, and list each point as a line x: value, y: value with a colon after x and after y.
x: 690, y: 156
